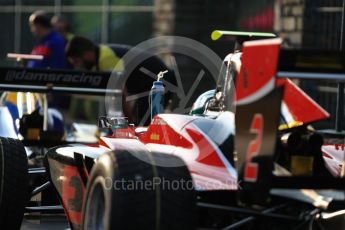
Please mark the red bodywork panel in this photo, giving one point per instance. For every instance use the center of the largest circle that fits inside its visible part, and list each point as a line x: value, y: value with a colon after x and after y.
x: 257, y: 74
x: 257, y: 77
x: 177, y: 135
x: 300, y: 106
x: 333, y: 154
x: 207, y: 154
x: 160, y: 132
x: 72, y: 193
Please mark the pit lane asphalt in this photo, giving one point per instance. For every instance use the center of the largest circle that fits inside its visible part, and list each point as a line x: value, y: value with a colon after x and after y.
x: 51, y: 222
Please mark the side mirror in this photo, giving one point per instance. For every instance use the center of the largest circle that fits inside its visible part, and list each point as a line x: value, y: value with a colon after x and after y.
x: 112, y: 122
x: 103, y: 123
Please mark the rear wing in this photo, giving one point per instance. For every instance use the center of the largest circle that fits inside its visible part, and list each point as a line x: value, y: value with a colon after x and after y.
x: 312, y: 64
x: 317, y: 65
x: 56, y: 81
x: 218, y: 34
x: 258, y: 103
x: 259, y: 96
x: 239, y: 36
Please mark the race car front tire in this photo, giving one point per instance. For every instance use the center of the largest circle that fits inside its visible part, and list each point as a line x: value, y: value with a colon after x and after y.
x: 14, y: 183
x: 126, y: 191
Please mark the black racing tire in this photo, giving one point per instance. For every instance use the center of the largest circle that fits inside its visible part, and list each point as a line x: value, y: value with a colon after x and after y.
x: 14, y: 183
x: 119, y: 206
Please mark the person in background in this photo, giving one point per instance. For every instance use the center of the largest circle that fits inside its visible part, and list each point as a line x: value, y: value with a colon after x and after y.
x: 82, y: 53
x: 61, y: 25
x: 50, y: 44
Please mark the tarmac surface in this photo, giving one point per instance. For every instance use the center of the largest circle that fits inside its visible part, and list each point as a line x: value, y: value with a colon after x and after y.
x: 51, y: 222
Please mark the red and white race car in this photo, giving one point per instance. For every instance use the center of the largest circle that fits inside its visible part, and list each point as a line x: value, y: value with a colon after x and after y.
x: 214, y: 169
